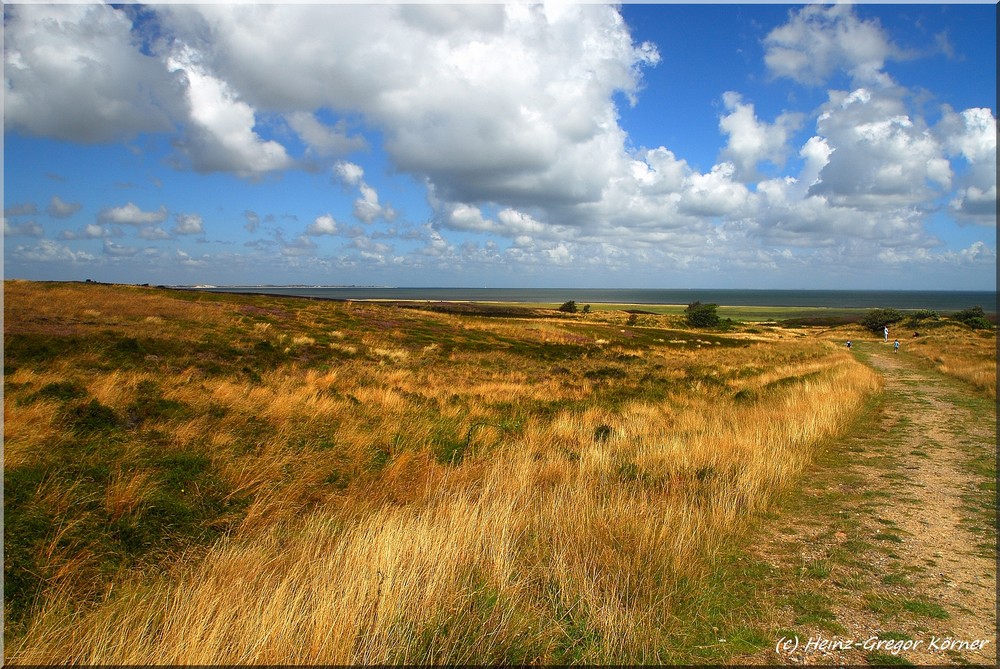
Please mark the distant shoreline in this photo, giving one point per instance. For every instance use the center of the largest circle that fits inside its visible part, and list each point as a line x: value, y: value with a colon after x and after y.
x: 942, y: 301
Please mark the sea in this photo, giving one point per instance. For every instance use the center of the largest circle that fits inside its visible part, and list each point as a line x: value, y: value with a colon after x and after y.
x: 934, y: 300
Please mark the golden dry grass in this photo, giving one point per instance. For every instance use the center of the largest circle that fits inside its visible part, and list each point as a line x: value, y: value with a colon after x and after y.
x: 539, y: 500
x: 962, y: 353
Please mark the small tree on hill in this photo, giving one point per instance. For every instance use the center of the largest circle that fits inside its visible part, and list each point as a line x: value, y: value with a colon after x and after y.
x: 917, y: 317
x: 878, y: 319
x: 974, y: 317
x: 700, y: 315
x: 568, y: 307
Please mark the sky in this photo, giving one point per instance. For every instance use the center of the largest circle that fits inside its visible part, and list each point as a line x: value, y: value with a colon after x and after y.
x: 524, y: 145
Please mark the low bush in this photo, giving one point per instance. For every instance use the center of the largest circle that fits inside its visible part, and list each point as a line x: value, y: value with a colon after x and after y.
x: 878, y: 319
x: 700, y: 315
x: 974, y: 317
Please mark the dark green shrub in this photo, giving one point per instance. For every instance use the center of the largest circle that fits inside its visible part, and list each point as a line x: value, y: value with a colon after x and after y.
x: 93, y: 417
x: 700, y: 315
x: 603, y: 373
x: 569, y: 307
x: 62, y: 390
x: 878, y: 319
x: 602, y: 433
x: 974, y: 317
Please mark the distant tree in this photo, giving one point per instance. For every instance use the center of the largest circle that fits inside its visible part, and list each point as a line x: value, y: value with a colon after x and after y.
x: 569, y: 307
x: 700, y: 315
x: 878, y: 319
x: 586, y: 308
x: 921, y: 315
x: 974, y: 317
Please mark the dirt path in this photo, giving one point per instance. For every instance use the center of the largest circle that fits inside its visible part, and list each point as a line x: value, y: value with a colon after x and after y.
x: 889, y: 557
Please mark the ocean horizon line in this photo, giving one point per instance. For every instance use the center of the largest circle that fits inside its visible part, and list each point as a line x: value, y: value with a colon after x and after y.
x: 576, y: 288
x: 934, y: 300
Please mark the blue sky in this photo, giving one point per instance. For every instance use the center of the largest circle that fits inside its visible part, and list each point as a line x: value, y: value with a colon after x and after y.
x: 552, y: 145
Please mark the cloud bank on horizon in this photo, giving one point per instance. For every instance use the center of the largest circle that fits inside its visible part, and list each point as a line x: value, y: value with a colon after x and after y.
x: 494, y: 145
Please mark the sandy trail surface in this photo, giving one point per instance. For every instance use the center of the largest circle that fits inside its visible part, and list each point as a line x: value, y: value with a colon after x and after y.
x: 906, y: 555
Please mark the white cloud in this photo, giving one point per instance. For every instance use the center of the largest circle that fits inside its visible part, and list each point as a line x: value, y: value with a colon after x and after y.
x: 59, y: 209
x: 26, y: 229
x: 510, y: 105
x: 153, y: 233
x: 89, y: 231
x: 751, y: 140
x: 300, y: 246
x: 73, y: 72
x: 25, y: 209
x: 819, y: 40
x: 115, y: 250
x: 188, y: 224
x: 972, y: 134
x: 221, y: 137
x: 185, y: 260
x: 323, y: 225
x: 880, y: 157
x: 367, y: 207
x: 713, y: 194
x: 348, y: 172
x: 49, y: 251
x: 322, y: 139
x: 131, y: 214
x: 977, y: 204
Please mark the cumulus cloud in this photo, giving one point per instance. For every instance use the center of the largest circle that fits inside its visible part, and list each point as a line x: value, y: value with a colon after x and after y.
x: 299, y: 246
x: 89, y: 231
x: 881, y: 156
x: 715, y: 193
x: 131, y: 214
x: 220, y: 135
x: 59, y: 209
x: 323, y: 225
x: 49, y: 251
x: 367, y: 207
x: 188, y: 224
x: 751, y: 140
x: 348, y: 172
x: 509, y: 115
x: 819, y: 41
x: 972, y: 135
x: 26, y: 229
x: 74, y: 72
x: 25, y: 209
x: 323, y: 139
x: 504, y: 105
x: 115, y: 250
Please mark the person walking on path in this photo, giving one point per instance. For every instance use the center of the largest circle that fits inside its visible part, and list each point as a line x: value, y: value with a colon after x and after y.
x: 885, y: 330
x: 895, y: 346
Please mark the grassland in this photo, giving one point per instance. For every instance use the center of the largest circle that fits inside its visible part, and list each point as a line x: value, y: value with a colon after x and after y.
x: 205, y: 478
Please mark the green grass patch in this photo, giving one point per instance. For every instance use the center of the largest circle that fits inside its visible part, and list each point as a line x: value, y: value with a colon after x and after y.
x: 887, y: 660
x: 888, y: 536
